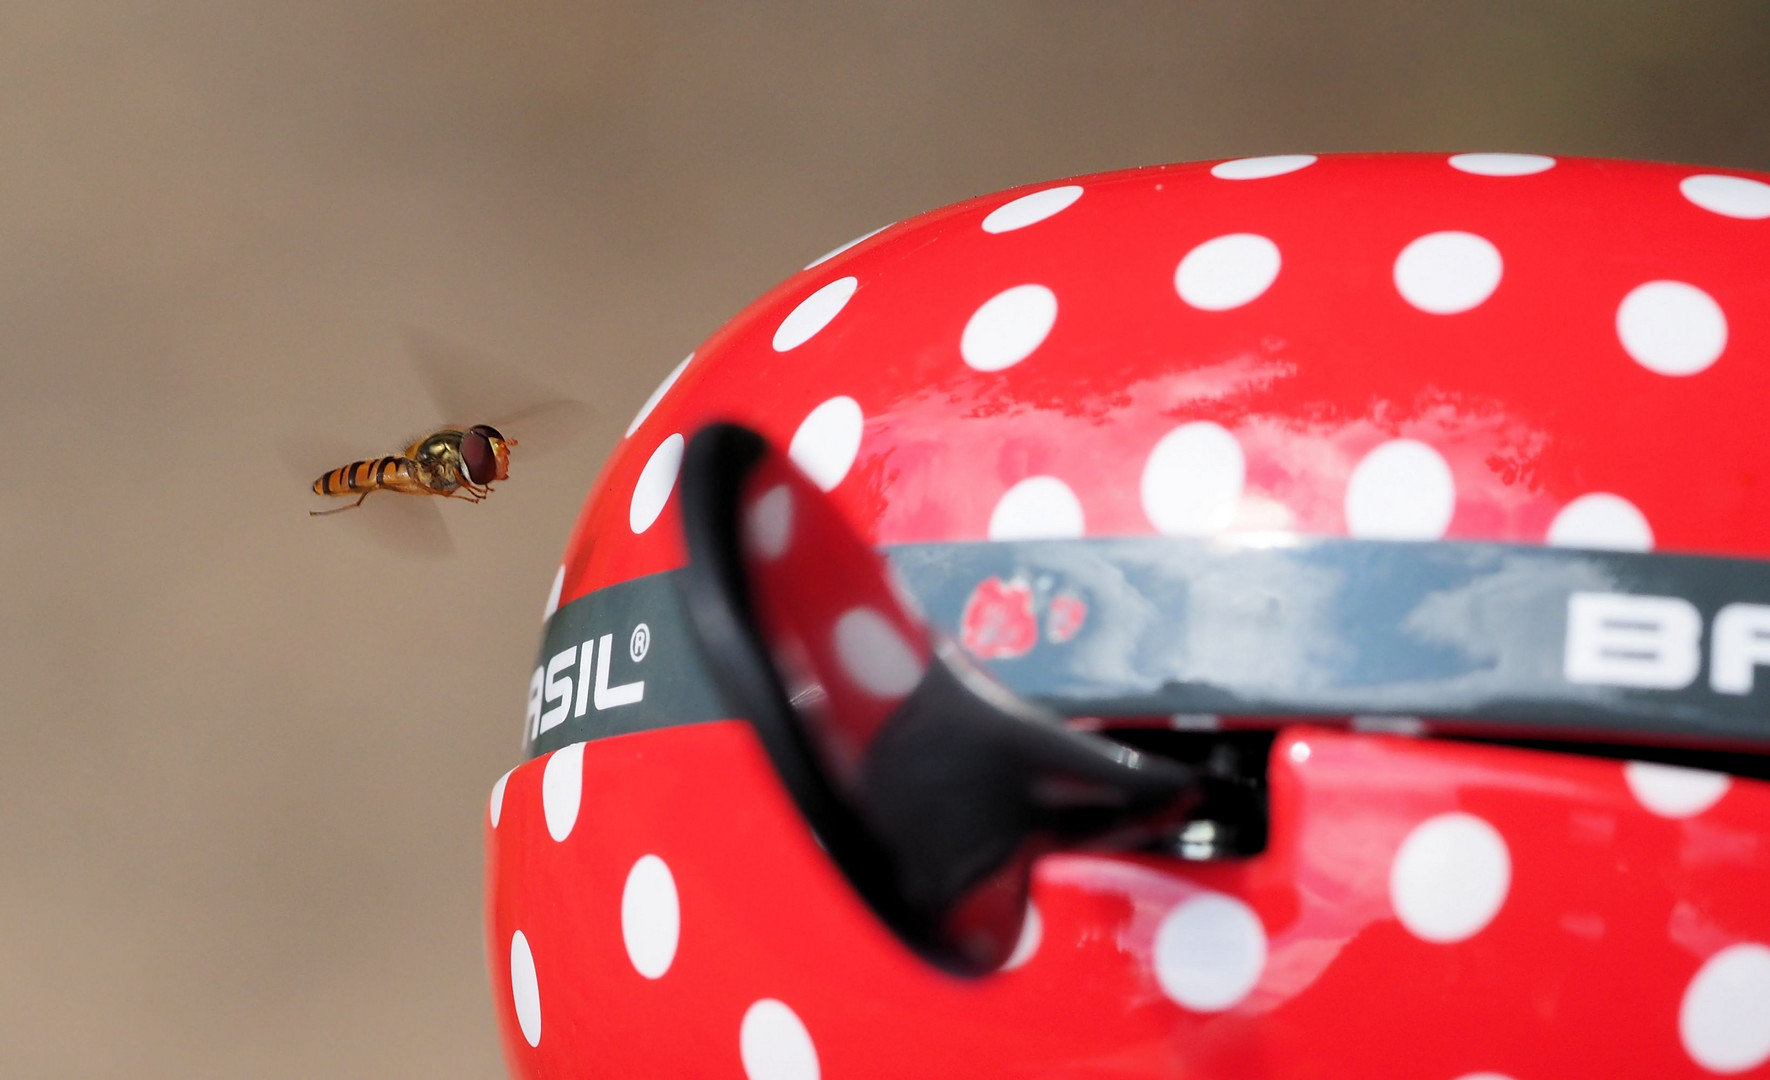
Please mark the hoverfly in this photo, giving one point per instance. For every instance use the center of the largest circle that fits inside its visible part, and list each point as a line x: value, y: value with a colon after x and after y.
x: 452, y: 463
x: 458, y: 460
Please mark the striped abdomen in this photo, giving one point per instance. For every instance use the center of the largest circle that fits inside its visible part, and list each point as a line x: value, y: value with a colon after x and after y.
x: 361, y: 476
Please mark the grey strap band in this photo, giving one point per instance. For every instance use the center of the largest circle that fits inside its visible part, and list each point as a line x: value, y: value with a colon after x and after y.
x: 1523, y: 640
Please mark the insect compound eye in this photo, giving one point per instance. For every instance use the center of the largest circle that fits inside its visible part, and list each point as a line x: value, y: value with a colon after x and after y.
x: 477, y: 456
x: 487, y: 430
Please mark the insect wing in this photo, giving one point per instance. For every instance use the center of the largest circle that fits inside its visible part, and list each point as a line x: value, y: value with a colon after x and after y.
x: 467, y: 385
x: 411, y: 525
x: 545, y: 428
x: 470, y: 387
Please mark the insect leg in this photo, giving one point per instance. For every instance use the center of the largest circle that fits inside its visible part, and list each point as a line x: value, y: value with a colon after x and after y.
x: 341, y: 509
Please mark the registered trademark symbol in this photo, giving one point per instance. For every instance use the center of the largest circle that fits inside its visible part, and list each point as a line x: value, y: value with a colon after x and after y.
x: 640, y: 643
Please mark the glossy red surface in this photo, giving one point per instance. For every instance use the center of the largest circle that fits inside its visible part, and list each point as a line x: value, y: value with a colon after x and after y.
x: 1579, y: 963
x: 1530, y: 397
x: 1425, y: 909
x: 824, y: 605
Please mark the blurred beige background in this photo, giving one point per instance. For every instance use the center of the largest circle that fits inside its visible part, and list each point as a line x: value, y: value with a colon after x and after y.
x: 243, y: 762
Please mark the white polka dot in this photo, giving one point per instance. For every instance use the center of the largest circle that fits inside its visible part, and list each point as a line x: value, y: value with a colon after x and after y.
x: 1192, y: 480
x: 553, y: 594
x: 1443, y: 273
x: 1227, y: 272
x: 827, y: 441
x: 769, y: 524
x: 1259, y: 168
x: 835, y: 251
x: 814, y: 313
x: 875, y: 655
x: 1402, y: 490
x: 1731, y: 196
x: 1502, y: 164
x: 525, y: 991
x: 1300, y: 752
x: 655, y: 483
x: 651, y: 916
x: 1724, y: 1019
x: 1673, y: 791
x: 1671, y: 328
x: 774, y: 1044
x: 1031, y: 209
x: 1032, y: 931
x: 1037, y: 508
x: 658, y: 394
x: 1601, y: 521
x: 1450, y: 877
x: 1008, y: 327
x: 497, y: 804
x: 562, y: 788
x: 1209, y: 952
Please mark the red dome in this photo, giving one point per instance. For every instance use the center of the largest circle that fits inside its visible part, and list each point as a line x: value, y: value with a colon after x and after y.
x: 1486, y: 347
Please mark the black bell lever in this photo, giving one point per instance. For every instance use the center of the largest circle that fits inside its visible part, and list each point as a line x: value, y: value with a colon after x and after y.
x: 932, y: 786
